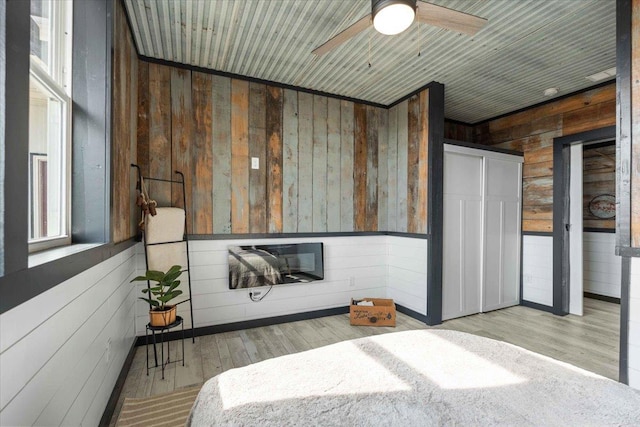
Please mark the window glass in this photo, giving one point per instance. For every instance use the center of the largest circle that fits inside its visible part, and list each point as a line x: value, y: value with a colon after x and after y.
x: 49, y: 124
x: 46, y: 162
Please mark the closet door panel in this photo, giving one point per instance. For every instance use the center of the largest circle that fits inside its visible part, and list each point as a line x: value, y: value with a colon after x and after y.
x: 502, y: 236
x: 462, y: 263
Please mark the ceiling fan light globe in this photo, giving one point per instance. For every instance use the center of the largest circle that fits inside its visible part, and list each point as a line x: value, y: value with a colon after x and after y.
x: 393, y: 17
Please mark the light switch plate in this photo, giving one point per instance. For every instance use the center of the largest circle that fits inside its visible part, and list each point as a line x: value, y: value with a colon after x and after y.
x: 255, y: 163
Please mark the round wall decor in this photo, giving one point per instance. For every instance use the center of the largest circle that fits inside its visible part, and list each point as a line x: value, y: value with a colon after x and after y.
x: 603, y: 206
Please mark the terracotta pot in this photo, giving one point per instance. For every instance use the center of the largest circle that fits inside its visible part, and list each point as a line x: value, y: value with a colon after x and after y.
x: 164, y: 317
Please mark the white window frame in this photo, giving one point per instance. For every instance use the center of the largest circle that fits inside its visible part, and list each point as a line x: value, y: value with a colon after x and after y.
x: 58, y: 83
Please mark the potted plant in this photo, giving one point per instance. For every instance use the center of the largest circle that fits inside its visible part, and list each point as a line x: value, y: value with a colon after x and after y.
x: 161, y: 314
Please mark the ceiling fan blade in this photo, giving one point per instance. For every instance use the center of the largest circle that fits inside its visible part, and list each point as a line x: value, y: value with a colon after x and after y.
x: 351, y: 31
x: 448, y: 18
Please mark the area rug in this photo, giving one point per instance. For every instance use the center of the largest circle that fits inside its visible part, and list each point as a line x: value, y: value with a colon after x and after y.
x: 414, y: 378
x: 166, y: 410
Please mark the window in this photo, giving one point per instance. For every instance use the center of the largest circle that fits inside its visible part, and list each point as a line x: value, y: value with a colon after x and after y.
x: 49, y: 165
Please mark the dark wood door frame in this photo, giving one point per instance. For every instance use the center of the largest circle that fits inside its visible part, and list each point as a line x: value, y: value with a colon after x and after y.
x: 561, y: 168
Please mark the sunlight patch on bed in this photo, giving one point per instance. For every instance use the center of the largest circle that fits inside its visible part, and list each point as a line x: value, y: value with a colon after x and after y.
x: 451, y: 366
x: 335, y: 370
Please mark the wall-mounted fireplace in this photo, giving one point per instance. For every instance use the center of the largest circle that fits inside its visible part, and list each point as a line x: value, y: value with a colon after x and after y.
x: 266, y: 265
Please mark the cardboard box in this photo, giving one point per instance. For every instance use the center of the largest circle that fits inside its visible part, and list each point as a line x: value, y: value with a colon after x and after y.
x: 383, y: 313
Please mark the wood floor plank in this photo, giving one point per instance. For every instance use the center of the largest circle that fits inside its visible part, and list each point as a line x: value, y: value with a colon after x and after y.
x: 589, y: 342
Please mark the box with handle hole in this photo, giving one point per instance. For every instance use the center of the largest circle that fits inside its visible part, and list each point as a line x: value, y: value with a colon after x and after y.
x: 376, y: 312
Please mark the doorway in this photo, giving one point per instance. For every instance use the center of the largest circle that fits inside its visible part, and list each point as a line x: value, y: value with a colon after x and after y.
x: 568, y: 217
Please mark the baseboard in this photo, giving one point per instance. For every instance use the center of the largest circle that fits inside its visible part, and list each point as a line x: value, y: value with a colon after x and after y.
x: 537, y: 306
x: 248, y: 324
x: 413, y: 314
x: 117, y: 389
x: 602, y: 297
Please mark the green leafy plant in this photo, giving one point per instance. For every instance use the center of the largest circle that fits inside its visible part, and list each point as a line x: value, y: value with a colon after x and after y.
x: 166, y: 288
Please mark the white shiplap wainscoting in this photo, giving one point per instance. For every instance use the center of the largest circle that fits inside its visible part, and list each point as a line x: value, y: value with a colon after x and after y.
x: 602, y: 268
x: 537, y: 269
x: 407, y: 272
x: 634, y: 325
x: 354, y: 266
x: 62, y: 351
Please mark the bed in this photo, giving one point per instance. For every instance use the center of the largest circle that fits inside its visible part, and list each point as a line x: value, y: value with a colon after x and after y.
x: 425, y: 377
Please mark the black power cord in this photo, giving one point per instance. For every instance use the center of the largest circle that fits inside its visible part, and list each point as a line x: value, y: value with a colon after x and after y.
x: 260, y: 299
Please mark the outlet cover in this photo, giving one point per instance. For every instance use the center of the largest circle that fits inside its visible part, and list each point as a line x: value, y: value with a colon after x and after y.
x: 255, y: 163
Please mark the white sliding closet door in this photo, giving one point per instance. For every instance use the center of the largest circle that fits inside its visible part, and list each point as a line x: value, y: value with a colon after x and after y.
x: 462, y: 261
x: 502, y: 234
x: 482, y: 231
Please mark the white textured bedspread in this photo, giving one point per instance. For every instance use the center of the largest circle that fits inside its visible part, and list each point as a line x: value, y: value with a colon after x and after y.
x: 415, y: 378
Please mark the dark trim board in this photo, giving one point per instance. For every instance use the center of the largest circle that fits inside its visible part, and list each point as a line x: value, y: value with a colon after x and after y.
x: 623, y: 370
x: 299, y: 235
x: 624, y: 123
x: 537, y: 306
x: 110, y: 409
x: 613, y: 300
x: 414, y: 314
x: 538, y: 233
x: 269, y: 321
x: 435, y: 197
x: 16, y: 135
x: 36, y: 280
x: 599, y: 230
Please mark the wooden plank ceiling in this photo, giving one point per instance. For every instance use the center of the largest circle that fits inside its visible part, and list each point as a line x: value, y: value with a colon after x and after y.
x: 526, y: 47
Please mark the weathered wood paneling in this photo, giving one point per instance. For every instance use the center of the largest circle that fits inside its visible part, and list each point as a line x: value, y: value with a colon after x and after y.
x: 274, y: 160
x: 221, y: 122
x: 333, y: 164
x: 319, y: 163
x: 290, y: 162
x: 392, y: 169
x: 142, y: 126
x: 403, y: 165
x: 239, y: 156
x: 360, y: 168
x: 324, y: 164
x: 423, y: 156
x: 383, y: 170
x: 635, y: 124
x: 532, y: 132
x: 346, y: 165
x: 160, y: 132
x: 201, y: 202
x: 181, y: 136
x: 305, y: 162
x: 371, y: 171
x: 458, y: 131
x: 258, y: 149
x: 124, y: 147
x: 413, y: 165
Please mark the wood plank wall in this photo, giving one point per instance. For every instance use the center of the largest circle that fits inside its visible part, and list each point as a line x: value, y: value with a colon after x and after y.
x: 325, y: 165
x: 124, y: 147
x: 599, y: 177
x: 458, y: 131
x: 532, y: 132
x: 635, y: 124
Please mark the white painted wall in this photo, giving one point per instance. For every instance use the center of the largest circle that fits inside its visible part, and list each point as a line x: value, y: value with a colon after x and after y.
x: 407, y: 272
x: 363, y: 258
x: 56, y: 367
x: 537, y: 269
x: 634, y: 325
x: 602, y: 268
x: 576, y: 208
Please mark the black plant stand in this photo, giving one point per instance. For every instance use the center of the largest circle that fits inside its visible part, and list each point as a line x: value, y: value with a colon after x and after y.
x: 162, y: 330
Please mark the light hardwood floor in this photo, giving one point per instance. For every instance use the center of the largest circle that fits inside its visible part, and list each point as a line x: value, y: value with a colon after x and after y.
x: 590, y: 342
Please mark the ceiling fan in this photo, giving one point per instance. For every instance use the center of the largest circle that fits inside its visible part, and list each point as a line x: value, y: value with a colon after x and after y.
x: 394, y: 16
